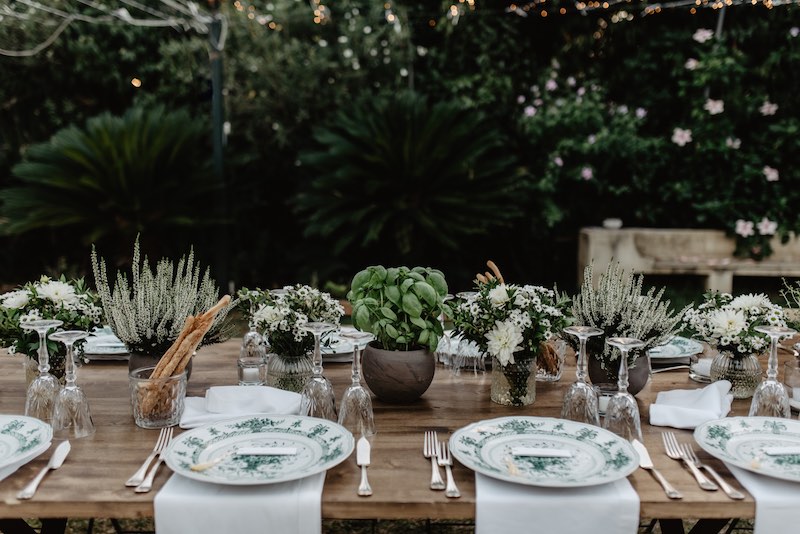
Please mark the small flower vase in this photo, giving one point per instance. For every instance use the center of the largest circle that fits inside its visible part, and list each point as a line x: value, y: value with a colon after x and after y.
x: 514, y: 384
x: 289, y: 372
x: 550, y: 361
x: 744, y: 373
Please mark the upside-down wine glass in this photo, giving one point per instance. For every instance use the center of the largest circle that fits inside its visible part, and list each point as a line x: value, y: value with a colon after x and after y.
x: 42, y: 392
x: 622, y: 413
x: 355, y: 410
x: 580, y: 401
x: 458, y: 356
x: 443, y: 350
x: 770, y: 398
x: 71, y: 415
x: 317, y: 398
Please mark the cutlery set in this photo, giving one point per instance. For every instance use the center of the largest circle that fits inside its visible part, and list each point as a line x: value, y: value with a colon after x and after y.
x: 142, y: 480
x: 438, y: 452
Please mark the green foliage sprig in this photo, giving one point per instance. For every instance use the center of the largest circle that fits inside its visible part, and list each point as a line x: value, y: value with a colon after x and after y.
x: 400, y: 306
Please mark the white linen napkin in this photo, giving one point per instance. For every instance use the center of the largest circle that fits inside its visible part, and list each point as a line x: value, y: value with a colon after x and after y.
x: 687, y: 408
x: 776, y: 501
x: 501, y: 506
x: 184, y: 505
x: 225, y: 402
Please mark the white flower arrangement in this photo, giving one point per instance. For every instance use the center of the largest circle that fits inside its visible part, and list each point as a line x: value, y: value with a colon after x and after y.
x: 68, y: 301
x: 281, y: 317
x: 510, y: 321
x: 728, y: 324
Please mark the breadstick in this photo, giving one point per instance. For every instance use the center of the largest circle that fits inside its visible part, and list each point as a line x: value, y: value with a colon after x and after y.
x: 188, y: 325
x: 495, y: 270
x: 481, y: 279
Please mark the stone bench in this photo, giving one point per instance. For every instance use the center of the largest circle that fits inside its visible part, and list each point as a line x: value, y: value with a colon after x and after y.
x: 707, y: 253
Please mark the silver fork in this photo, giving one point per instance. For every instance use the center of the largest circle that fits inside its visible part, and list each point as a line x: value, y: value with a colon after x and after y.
x: 445, y: 460
x: 730, y: 491
x: 147, y: 484
x: 429, y: 450
x: 138, y: 477
x: 674, y: 452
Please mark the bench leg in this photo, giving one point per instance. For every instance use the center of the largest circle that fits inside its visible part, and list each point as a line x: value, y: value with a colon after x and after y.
x: 720, y: 281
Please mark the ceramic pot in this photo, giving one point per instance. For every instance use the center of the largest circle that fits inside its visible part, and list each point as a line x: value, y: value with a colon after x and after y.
x: 638, y: 373
x: 397, y: 376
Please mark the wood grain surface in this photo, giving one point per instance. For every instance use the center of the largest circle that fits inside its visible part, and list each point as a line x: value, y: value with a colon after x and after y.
x: 91, y: 481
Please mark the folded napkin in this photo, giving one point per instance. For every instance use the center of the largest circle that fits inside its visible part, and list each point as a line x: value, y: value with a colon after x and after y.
x: 687, y: 408
x: 776, y: 501
x: 225, y: 402
x: 184, y: 505
x: 501, y: 506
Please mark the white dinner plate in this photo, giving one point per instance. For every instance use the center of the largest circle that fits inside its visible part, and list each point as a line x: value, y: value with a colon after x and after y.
x: 596, y: 456
x: 320, y: 445
x: 741, y: 441
x: 102, y: 344
x: 22, y: 438
x: 337, y: 349
x: 676, y: 349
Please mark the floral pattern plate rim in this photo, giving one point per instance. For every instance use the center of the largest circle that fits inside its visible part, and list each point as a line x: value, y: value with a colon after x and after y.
x: 597, y: 455
x: 677, y: 347
x: 740, y: 441
x: 22, y: 437
x: 320, y: 444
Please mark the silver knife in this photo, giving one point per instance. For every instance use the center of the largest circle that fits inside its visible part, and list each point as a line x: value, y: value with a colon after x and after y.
x: 55, y: 462
x: 646, y: 463
x: 362, y: 459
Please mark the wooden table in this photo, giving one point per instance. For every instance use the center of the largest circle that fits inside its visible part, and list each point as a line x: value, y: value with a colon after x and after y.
x: 91, y: 481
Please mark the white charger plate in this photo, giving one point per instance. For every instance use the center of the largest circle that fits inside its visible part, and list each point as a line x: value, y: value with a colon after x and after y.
x: 676, y: 349
x: 740, y: 441
x: 597, y: 455
x: 320, y: 444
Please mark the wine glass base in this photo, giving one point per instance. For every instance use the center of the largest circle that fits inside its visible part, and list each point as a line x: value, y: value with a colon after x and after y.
x: 71, y: 415
x: 317, y: 399
x: 622, y: 417
x: 770, y: 400
x: 355, y: 412
x: 580, y: 404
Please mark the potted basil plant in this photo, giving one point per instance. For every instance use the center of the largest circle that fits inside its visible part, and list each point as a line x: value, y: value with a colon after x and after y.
x: 401, y: 307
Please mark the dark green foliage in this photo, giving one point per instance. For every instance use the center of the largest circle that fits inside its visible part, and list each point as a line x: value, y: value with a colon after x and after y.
x: 146, y: 171
x: 398, y: 173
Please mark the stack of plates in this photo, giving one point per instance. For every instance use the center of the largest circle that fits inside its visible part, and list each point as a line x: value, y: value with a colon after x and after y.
x: 337, y: 349
x: 21, y: 440
x: 102, y: 344
x: 677, y: 351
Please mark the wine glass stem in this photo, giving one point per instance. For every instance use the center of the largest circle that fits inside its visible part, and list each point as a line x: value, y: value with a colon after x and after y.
x: 580, y: 372
x: 317, y: 356
x: 772, y: 365
x: 69, y: 367
x: 622, y: 383
x: 44, y: 356
x: 356, y: 369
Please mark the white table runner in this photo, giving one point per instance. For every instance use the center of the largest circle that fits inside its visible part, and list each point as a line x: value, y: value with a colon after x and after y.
x: 777, y: 501
x: 184, y: 505
x: 500, y: 506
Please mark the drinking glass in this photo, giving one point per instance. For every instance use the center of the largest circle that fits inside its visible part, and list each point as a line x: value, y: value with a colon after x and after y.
x: 42, y: 392
x: 622, y: 413
x: 252, y: 363
x: 317, y: 399
x: 71, y: 415
x: 443, y: 350
x: 770, y: 398
x: 580, y: 401
x: 355, y: 410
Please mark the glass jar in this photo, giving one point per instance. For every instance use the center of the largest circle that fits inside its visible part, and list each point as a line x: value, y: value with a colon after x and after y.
x: 744, y: 373
x: 515, y: 383
x: 555, y: 352
x: 289, y: 372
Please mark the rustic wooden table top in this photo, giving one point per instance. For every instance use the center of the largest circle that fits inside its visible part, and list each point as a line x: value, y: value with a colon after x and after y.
x: 91, y: 481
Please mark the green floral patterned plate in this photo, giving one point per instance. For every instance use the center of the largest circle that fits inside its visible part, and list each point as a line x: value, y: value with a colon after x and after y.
x: 597, y: 456
x: 21, y: 437
x: 740, y: 441
x: 676, y: 348
x: 320, y: 444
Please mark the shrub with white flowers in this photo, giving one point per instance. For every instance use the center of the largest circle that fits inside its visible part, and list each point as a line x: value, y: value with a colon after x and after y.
x: 282, y: 314
x: 510, y: 321
x: 728, y: 323
x: 68, y: 301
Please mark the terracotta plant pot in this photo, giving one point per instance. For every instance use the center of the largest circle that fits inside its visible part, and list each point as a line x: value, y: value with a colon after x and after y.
x: 397, y: 376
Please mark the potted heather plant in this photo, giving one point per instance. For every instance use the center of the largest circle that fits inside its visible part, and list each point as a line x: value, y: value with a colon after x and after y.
x: 401, y: 307
x: 618, y: 307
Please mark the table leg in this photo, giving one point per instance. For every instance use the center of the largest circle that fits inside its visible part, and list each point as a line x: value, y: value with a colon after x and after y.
x: 709, y: 526
x: 671, y: 526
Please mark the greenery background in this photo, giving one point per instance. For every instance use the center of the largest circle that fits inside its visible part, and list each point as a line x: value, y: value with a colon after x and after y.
x: 416, y: 141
